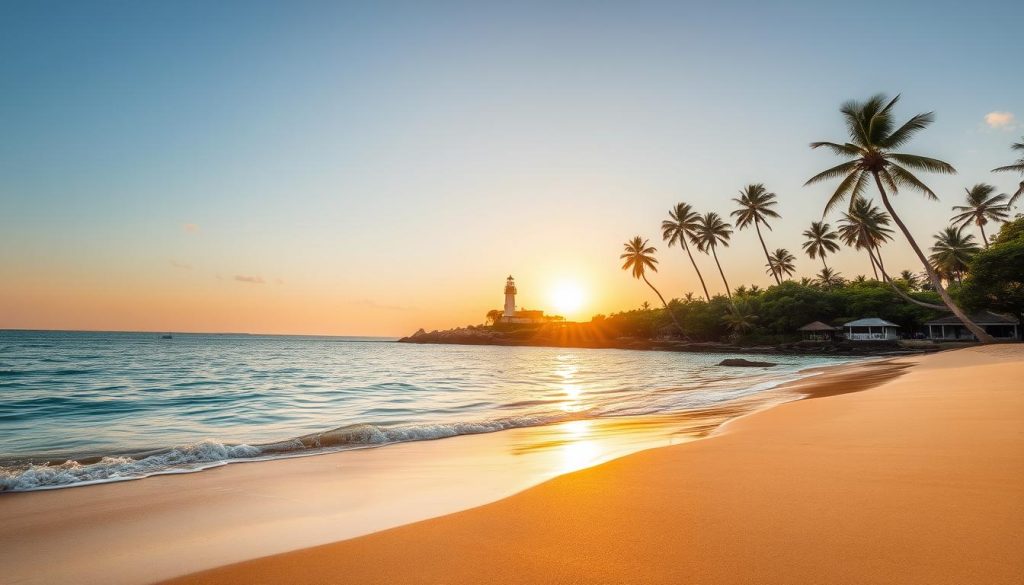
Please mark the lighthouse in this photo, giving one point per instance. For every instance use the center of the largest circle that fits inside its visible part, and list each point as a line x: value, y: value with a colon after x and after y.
x: 510, y: 298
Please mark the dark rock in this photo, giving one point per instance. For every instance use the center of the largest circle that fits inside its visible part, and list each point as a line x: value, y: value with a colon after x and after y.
x: 742, y: 363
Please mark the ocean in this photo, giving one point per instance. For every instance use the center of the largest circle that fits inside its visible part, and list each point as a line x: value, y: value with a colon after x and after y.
x: 82, y: 407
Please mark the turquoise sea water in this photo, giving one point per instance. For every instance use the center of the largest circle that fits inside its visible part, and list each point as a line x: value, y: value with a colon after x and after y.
x: 79, y: 407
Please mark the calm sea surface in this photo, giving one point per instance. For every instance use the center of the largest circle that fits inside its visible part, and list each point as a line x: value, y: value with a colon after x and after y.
x: 92, y: 407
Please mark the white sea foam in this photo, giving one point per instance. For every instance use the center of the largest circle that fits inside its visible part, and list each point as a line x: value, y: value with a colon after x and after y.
x: 185, y: 458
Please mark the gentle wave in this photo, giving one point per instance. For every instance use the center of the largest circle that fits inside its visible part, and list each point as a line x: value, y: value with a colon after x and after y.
x: 78, y: 408
x: 209, y: 453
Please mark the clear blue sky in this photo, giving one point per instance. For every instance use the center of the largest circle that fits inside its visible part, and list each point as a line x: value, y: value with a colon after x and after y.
x: 366, y: 168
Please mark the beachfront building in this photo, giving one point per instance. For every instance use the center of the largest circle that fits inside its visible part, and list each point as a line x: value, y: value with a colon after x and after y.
x: 818, y: 331
x: 950, y: 328
x: 521, y: 317
x: 871, y: 329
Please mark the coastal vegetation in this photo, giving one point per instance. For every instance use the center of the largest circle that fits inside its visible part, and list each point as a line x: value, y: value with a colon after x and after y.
x: 874, y: 161
x: 963, y: 270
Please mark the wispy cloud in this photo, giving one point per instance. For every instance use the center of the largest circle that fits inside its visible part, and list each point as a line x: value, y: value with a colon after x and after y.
x: 999, y: 119
x: 249, y: 279
x: 375, y: 305
x: 181, y: 265
x: 190, y: 228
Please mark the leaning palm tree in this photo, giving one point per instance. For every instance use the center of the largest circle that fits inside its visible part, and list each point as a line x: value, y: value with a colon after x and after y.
x: 755, y: 206
x: 709, y: 233
x: 873, y: 136
x: 1017, y: 167
x: 952, y: 252
x: 780, y: 263
x: 829, y: 279
x: 678, y: 229
x: 982, y: 207
x: 864, y: 227
x: 821, y: 241
x: 640, y: 258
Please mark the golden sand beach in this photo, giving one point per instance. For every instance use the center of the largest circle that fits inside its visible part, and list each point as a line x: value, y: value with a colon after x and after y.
x: 919, y: 479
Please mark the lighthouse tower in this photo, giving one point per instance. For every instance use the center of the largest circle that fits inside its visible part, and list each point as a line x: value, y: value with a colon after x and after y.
x: 510, y: 298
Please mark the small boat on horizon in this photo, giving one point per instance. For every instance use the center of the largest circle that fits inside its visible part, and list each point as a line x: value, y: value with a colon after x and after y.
x: 167, y: 336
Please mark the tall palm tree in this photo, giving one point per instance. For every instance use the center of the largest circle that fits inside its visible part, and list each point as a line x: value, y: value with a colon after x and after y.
x: 873, y: 136
x: 821, y: 240
x: 952, y: 252
x: 709, y: 233
x: 864, y: 227
x: 829, y: 279
x: 640, y: 258
x: 755, y: 207
x: 780, y: 263
x: 982, y: 207
x: 678, y: 229
x: 1015, y: 167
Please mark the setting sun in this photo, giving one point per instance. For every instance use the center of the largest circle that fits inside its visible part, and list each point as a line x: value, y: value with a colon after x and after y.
x: 567, y: 298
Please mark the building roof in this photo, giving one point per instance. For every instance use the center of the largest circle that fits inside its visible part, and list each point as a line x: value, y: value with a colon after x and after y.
x: 981, y: 318
x: 870, y: 322
x: 818, y: 326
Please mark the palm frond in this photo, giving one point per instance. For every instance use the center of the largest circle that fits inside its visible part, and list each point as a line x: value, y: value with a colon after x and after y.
x: 923, y: 163
x: 852, y: 186
x: 904, y: 177
x: 832, y: 173
x: 904, y: 133
x: 840, y: 149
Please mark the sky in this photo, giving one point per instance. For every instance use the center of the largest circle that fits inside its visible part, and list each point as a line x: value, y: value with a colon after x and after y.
x: 372, y: 168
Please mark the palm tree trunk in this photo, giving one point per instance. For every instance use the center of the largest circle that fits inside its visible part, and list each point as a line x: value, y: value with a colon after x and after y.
x: 667, y: 309
x: 775, y: 273
x: 727, y: 291
x: 697, y: 270
x: 825, y: 266
x: 983, y: 238
x: 898, y: 290
x: 873, y: 268
x: 978, y: 332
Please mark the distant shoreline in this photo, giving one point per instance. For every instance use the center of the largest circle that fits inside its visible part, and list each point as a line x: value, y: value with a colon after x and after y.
x: 527, y: 338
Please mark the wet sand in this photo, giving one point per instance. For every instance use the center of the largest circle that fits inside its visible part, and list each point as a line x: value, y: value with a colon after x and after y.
x: 919, y: 478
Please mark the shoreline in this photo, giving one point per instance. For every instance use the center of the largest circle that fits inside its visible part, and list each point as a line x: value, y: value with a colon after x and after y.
x: 55, y: 523
x: 543, y: 337
x: 917, y: 478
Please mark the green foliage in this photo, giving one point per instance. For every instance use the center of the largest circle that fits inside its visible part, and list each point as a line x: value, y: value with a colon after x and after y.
x: 996, y: 277
x: 779, y: 310
x: 1010, y: 231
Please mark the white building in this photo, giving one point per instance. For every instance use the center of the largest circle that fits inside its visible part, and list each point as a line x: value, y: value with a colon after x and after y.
x: 871, y: 329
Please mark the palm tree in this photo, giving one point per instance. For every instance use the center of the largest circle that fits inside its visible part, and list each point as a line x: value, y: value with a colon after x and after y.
x: 739, y: 318
x: 645, y: 306
x: 821, y: 240
x: 678, y: 229
x: 952, y: 252
x: 912, y: 281
x: 710, y: 232
x: 755, y: 205
x: 1015, y: 167
x: 864, y: 226
x: 780, y: 263
x: 640, y: 258
x: 829, y: 279
x: 982, y: 207
x: 873, y: 136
